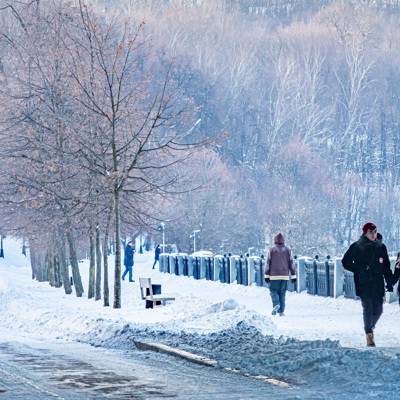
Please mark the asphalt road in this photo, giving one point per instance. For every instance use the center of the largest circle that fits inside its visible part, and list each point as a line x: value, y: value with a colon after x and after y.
x: 33, y: 369
x: 62, y: 370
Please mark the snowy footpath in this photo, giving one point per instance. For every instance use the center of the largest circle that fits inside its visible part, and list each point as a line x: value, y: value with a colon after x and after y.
x: 319, y: 342
x: 29, y: 307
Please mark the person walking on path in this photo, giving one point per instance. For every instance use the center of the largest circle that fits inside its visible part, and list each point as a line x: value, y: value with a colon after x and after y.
x: 128, y: 260
x: 279, y: 268
x: 157, y: 253
x: 396, y: 275
x: 369, y: 261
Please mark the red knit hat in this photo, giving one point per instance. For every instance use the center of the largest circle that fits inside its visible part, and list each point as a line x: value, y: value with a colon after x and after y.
x: 369, y: 226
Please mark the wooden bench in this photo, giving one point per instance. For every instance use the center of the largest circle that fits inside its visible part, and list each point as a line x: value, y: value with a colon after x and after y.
x: 146, y: 291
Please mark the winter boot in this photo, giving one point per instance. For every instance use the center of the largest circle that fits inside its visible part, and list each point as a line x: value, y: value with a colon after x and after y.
x: 275, y: 309
x: 370, y: 340
x: 281, y: 314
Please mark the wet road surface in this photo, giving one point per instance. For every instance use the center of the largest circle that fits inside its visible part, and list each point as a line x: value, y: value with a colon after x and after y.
x: 78, y: 371
x: 117, y: 370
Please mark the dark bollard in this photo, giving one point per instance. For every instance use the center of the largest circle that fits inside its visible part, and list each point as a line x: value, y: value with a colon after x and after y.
x: 262, y: 270
x: 168, y: 265
x: 327, y: 278
x: 222, y: 272
x: 246, y: 271
x: 185, y: 266
x: 239, y: 271
x: 208, y: 269
x: 228, y: 268
x: 315, y: 277
x: 196, y: 268
x: 176, y: 266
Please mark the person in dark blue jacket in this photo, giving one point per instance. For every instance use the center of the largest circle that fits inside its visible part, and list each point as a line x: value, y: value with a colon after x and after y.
x: 128, y: 261
x: 157, y: 253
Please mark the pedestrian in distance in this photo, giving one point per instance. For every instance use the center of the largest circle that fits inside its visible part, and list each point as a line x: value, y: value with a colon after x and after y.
x: 396, y: 275
x: 369, y: 261
x: 128, y: 261
x: 157, y: 253
x: 279, y: 268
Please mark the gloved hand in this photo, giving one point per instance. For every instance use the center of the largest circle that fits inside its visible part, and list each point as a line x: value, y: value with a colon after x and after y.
x: 389, y: 288
x: 267, y: 280
x: 294, y: 281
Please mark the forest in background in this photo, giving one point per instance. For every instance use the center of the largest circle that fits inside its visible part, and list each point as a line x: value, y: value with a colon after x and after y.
x: 235, y: 118
x: 304, y: 99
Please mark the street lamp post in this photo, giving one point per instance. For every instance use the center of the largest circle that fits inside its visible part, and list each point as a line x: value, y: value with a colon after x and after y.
x: 194, y: 239
x: 163, y: 236
x: 161, y: 227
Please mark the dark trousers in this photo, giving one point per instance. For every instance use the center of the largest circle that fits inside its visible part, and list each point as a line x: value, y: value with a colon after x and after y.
x: 372, y: 311
x: 277, y: 290
x: 128, y: 270
x: 155, y: 262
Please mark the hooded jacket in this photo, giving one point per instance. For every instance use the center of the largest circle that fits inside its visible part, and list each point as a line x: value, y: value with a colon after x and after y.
x: 280, y: 264
x: 128, y: 258
x: 369, y: 262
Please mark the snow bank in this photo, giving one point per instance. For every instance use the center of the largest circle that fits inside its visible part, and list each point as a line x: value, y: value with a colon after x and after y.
x: 29, y: 307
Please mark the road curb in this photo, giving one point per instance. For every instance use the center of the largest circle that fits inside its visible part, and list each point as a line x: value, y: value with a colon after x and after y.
x: 163, y: 348
x: 208, y: 362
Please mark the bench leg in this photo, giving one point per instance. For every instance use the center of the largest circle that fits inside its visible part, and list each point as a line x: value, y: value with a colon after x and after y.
x: 149, y: 304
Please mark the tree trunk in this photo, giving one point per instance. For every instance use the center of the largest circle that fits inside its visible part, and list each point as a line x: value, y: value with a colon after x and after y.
x: 106, y: 290
x: 64, y: 270
x: 32, y: 255
x: 98, y: 264
x: 92, y: 267
x: 41, y: 267
x: 76, y: 276
x: 50, y: 269
x: 57, y: 272
x: 117, y: 271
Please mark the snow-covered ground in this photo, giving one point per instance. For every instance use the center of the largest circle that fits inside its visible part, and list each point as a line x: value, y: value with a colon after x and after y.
x: 31, y: 308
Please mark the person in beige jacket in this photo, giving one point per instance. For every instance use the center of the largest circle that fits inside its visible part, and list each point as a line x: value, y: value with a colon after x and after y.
x: 279, y: 268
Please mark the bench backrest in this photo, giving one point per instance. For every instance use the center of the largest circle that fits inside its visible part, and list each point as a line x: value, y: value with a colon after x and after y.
x: 145, y: 283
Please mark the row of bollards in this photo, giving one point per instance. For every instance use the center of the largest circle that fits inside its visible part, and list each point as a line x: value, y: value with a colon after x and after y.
x: 223, y: 268
x: 322, y: 278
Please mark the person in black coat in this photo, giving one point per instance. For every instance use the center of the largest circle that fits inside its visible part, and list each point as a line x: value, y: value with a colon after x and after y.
x: 157, y: 253
x: 396, y: 275
x: 369, y: 261
x: 128, y: 261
